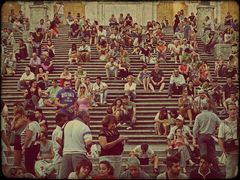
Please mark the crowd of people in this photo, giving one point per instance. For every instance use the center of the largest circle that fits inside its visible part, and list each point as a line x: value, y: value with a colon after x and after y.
x: 68, y: 154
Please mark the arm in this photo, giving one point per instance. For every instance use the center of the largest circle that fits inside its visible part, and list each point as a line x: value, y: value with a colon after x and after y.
x: 57, y: 103
x: 28, y: 137
x: 105, y: 145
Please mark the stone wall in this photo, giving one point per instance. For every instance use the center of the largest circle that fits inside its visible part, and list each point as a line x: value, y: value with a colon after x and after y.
x: 229, y: 6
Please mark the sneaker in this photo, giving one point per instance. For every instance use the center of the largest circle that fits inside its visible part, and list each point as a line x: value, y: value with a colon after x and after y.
x: 119, y: 125
x: 124, y: 124
x: 129, y: 128
x: 105, y: 102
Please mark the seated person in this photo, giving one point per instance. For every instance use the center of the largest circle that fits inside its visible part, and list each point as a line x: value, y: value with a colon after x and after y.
x: 74, y: 30
x: 105, y: 171
x: 144, y: 153
x: 73, y: 54
x: 145, y: 53
x: 216, y: 93
x: 199, y: 101
x: 83, y: 170
x: 220, y: 67
x: 129, y: 109
x: 204, y: 171
x: 100, y: 91
x: 25, y: 79
x: 35, y: 63
x: 124, y: 68
x: 50, y: 49
x: 118, y: 110
x: 47, y: 63
x: 156, y: 79
x: 162, y: 121
x: 79, y: 75
x: 51, y: 94
x: 176, y: 83
x: 65, y: 75
x: 112, y: 21
x: 84, y: 52
x: 185, y: 106
x: 173, y: 169
x: 161, y: 51
x: 10, y: 65
x: 32, y: 96
x: 43, y: 165
x: 134, y: 170
x: 22, y: 51
x: 42, y: 79
x: 111, y: 68
x: 37, y: 39
x: 184, y: 69
x: 144, y: 77
x: 130, y: 88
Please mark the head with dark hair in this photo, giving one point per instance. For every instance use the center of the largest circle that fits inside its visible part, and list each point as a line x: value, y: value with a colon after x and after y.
x: 173, y: 165
x: 105, y: 169
x: 109, y: 122
x: 18, y: 110
x: 61, y: 118
x: 144, y: 147
x: 117, y: 102
x: 84, y: 168
x: 31, y: 115
x: 205, y: 163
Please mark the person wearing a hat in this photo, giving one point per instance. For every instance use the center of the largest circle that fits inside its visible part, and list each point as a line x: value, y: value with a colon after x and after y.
x: 199, y: 100
x: 134, y: 170
x: 185, y: 130
x: 204, y: 128
x: 161, y: 51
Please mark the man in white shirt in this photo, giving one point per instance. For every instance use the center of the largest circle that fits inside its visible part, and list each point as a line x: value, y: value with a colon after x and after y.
x: 77, y: 141
x: 25, y: 79
x: 101, y: 34
x: 84, y: 52
x: 99, y: 90
x: 61, y: 119
x: 177, y: 81
x: 111, y: 68
x: 35, y: 63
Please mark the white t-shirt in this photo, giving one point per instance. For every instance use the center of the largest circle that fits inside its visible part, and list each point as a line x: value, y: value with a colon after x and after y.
x: 138, y: 150
x: 127, y: 87
x: 36, y: 130
x: 76, y: 133
x: 57, y: 133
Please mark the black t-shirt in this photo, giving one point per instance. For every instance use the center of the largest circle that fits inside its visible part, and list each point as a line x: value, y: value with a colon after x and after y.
x: 111, y: 136
x: 157, y: 76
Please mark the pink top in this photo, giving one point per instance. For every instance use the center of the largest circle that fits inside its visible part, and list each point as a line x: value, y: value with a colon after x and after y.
x: 83, y: 104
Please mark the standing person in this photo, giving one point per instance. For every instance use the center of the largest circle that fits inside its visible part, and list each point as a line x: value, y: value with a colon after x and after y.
x: 77, y: 140
x: 204, y: 170
x: 31, y: 146
x: 204, y: 128
x: 134, y: 170
x: 228, y: 133
x: 111, y: 143
x: 18, y: 125
x: 83, y: 102
x: 66, y: 99
x: 173, y: 170
x: 60, y: 119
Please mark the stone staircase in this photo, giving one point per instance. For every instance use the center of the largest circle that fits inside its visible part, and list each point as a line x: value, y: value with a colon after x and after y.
x: 148, y: 103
